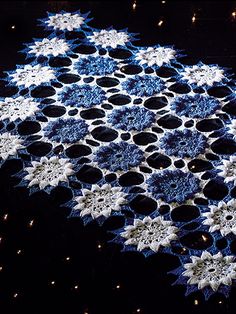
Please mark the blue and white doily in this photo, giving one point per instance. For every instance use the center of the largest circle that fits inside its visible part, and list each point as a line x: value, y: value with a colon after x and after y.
x: 132, y: 132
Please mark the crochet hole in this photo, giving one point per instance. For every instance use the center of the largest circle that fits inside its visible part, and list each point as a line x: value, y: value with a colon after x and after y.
x: 180, y: 88
x: 169, y: 122
x: 107, y: 82
x: 59, y: 62
x: 43, y: 91
x: 131, y: 178
x: 28, y: 127
x: 7, y: 91
x: 199, y: 165
x: 219, y: 91
x: 158, y: 161
x: 229, y: 217
x: 68, y: 78
x: 54, y: 111
x: 155, y: 103
x: 143, y: 205
x: 104, y: 134
x: 166, y: 72
x: 76, y: 151
x: 184, y: 213
x: 215, y: 190
x: 119, y: 99
x: 39, y: 148
x: 197, y: 240
x: 230, y: 108
x: 144, y: 138
x: 208, y: 125
x: 224, y: 146
x: 89, y: 174
x: 91, y: 114
x: 120, y: 54
x: 211, y: 270
x: 173, y: 185
x: 84, y: 49
x: 131, y: 69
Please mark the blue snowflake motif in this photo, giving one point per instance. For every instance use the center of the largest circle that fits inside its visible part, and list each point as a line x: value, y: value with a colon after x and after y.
x: 82, y: 96
x: 173, y: 186
x: 96, y: 65
x: 197, y: 106
x: 119, y: 156
x: 66, y: 131
x: 145, y: 85
x: 184, y: 143
x: 131, y: 118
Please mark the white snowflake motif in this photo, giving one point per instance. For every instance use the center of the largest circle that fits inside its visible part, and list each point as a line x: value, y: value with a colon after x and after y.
x: 222, y: 218
x: 48, y: 172
x: 150, y: 233
x: 155, y: 56
x: 228, y: 169
x: 203, y: 75
x: 100, y: 201
x: 17, y: 108
x: 54, y: 46
x: 65, y: 21
x: 9, y: 144
x: 210, y: 270
x: 110, y: 38
x: 32, y: 75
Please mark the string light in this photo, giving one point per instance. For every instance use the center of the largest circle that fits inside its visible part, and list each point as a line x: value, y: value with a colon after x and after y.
x: 15, y: 295
x: 5, y: 217
x: 160, y: 23
x: 163, y: 2
x: 31, y: 223
x: 134, y: 5
x: 76, y: 287
x: 53, y: 283
x: 118, y: 286
x: 194, y: 18
x: 1, y: 268
x: 13, y: 27
x: 234, y: 14
x: 204, y: 238
x: 138, y: 310
x: 196, y: 302
x: 67, y: 258
x: 19, y: 252
x: 220, y: 302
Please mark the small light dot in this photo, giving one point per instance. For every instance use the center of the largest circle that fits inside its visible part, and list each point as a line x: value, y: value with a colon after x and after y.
x: 76, y: 287
x: 5, y: 217
x: 204, y: 238
x: 138, y: 310
x: 163, y: 2
x: 13, y: 27
x: 234, y: 14
x: 1, y: 268
x: 99, y: 246
x: 193, y: 18
x: 160, y: 23
x: 15, y: 295
x: 67, y: 258
x: 53, y: 283
x: 196, y: 302
x: 134, y: 5
x: 31, y: 223
x: 19, y: 252
x: 220, y: 302
x: 117, y: 286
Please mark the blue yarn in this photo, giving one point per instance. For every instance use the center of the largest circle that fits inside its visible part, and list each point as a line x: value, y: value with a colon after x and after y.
x: 173, y: 186
x: 119, y: 156
x: 131, y: 118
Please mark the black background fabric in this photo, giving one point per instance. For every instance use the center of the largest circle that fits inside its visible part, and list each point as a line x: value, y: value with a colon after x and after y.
x: 57, y: 264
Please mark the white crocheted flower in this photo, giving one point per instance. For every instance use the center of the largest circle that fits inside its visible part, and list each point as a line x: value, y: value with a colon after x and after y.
x: 49, y: 172
x: 54, y: 46
x: 155, y: 56
x: 9, y: 144
x: 203, y: 75
x: 32, y: 75
x: 65, y: 21
x: 210, y: 270
x: 110, y: 38
x: 222, y: 217
x: 228, y: 169
x: 150, y: 233
x: 100, y: 201
x: 17, y: 108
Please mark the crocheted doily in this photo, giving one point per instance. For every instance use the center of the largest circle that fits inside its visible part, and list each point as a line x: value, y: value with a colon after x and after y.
x: 132, y: 132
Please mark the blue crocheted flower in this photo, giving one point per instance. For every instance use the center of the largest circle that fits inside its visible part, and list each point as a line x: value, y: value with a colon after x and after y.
x: 96, y: 65
x: 131, y: 118
x: 119, y: 156
x: 145, y: 85
x: 184, y: 143
x: 66, y: 131
x: 197, y: 106
x: 82, y: 95
x: 173, y: 186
